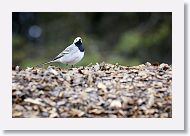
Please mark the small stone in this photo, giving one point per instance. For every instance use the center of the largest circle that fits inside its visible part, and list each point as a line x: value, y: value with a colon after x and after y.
x: 95, y: 111
x: 76, y: 112
x: 123, y: 80
x: 142, y: 74
x: 51, y: 70
x: 18, y: 107
x: 45, y: 114
x: 17, y: 114
x: 59, y: 103
x: 148, y: 64
x: 54, y: 115
x: 29, y: 69
x: 140, y: 101
x: 150, y: 101
x: 49, y: 101
x: 18, y: 92
x: 17, y: 68
x: 159, y: 104
x: 164, y: 66
x: 113, y: 96
x: 89, y: 89
x: 101, y: 86
x: 129, y: 79
x: 158, y: 84
x: 112, y: 116
x: 34, y: 101
x: 115, y: 104
x: 150, y: 111
x: 61, y: 93
x: 96, y: 67
x: 164, y: 115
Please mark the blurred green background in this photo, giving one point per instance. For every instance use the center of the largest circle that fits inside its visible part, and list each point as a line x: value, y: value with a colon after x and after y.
x: 127, y: 38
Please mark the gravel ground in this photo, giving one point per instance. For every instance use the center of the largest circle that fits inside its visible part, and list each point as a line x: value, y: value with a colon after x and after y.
x: 101, y: 90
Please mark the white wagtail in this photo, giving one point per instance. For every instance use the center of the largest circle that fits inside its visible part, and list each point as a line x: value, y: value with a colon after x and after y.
x: 71, y: 55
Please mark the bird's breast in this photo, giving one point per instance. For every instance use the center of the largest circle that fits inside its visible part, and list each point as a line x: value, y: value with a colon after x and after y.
x: 72, y: 58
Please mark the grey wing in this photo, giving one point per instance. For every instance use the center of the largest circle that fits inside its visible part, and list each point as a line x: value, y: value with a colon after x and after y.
x: 66, y: 51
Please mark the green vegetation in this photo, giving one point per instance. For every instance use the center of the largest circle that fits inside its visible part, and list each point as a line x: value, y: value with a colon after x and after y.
x: 126, y: 38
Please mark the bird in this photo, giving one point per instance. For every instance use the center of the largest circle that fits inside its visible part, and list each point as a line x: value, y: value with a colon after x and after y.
x: 70, y: 55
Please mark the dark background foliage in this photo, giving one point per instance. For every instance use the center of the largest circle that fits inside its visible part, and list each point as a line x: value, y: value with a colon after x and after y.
x: 127, y: 38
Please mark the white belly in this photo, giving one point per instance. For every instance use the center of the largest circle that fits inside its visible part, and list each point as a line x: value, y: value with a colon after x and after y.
x: 72, y: 59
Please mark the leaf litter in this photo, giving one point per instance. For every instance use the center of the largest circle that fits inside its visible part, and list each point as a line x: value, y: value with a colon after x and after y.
x: 95, y: 91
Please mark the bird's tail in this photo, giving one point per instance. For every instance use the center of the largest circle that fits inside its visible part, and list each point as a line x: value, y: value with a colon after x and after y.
x: 44, y: 63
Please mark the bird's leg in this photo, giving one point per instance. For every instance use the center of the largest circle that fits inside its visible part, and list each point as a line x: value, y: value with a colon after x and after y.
x: 71, y: 67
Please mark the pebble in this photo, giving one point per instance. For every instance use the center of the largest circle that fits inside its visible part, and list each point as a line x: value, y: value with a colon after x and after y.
x: 33, y: 101
x: 94, y: 91
x: 101, y: 86
x: 115, y: 104
x: 17, y: 68
x: 45, y: 114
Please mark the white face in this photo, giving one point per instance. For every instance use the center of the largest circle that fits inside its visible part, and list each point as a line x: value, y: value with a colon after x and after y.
x: 77, y: 39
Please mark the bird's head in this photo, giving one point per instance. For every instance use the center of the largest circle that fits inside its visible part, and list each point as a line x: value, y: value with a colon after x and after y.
x: 78, y: 40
